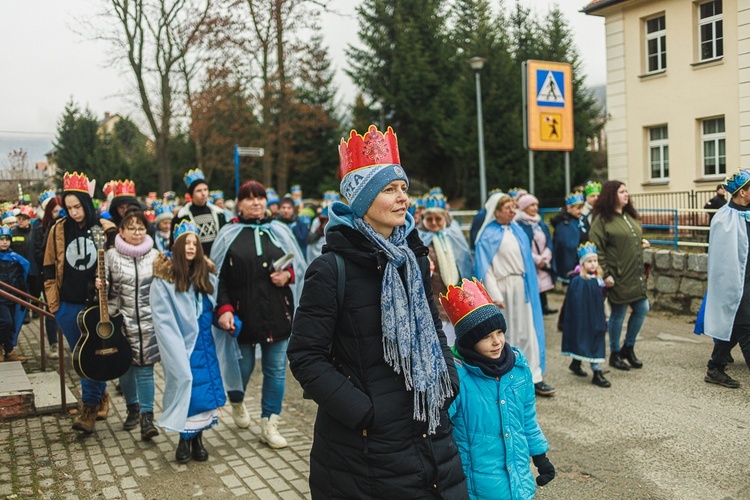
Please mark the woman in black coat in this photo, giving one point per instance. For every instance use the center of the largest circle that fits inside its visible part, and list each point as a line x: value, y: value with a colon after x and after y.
x: 378, y: 433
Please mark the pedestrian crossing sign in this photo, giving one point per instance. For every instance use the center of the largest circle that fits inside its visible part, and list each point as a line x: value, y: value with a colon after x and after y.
x: 548, y: 105
x: 550, y: 88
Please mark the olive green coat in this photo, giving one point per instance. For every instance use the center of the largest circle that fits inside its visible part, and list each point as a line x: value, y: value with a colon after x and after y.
x: 620, y: 253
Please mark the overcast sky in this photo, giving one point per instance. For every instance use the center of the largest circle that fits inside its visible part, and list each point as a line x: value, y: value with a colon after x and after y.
x: 44, y: 61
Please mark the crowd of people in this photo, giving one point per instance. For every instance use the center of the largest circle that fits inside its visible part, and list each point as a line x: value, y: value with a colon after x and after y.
x: 416, y: 342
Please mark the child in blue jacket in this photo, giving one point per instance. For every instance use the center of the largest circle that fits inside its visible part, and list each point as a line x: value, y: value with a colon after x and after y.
x: 494, y: 415
x: 13, y: 271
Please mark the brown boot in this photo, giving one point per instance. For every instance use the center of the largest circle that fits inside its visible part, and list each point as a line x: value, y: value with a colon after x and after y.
x: 14, y: 356
x: 86, y: 419
x: 102, y: 409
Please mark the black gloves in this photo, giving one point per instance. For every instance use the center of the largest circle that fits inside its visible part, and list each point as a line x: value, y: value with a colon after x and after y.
x: 545, y: 468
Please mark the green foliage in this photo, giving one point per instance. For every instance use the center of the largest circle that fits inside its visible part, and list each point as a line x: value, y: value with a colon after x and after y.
x: 82, y: 145
x: 414, y: 57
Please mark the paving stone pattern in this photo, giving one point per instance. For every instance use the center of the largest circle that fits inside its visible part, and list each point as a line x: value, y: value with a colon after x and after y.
x: 43, y: 457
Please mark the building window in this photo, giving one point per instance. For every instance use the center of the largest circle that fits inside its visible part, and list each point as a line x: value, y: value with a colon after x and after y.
x: 656, y: 44
x: 714, y: 139
x: 711, y: 30
x: 658, y: 147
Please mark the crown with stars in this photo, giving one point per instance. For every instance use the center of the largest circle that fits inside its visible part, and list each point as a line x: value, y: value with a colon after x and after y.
x: 737, y: 181
x: 216, y: 195
x: 6, y: 231
x: 459, y: 301
x: 592, y: 187
x: 516, y: 192
x: 368, y: 150
x: 586, y: 251
x: 78, y: 183
x: 193, y: 175
x: 574, y: 198
x: 184, y: 228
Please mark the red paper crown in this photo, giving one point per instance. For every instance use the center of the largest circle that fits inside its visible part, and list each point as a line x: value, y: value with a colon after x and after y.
x: 150, y: 215
x: 374, y: 148
x: 124, y: 188
x: 459, y: 301
x: 76, y: 182
x: 108, y: 188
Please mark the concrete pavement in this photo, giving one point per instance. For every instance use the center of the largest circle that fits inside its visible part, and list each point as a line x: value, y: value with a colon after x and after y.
x: 660, y: 432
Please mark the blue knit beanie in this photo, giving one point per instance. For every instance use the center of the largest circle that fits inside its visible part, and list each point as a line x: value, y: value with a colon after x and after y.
x: 478, y: 324
x: 361, y: 186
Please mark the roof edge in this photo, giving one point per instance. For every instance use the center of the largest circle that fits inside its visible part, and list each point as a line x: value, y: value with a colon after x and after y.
x: 599, y: 4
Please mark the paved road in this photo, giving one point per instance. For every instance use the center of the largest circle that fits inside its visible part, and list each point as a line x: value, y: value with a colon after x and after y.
x: 660, y: 432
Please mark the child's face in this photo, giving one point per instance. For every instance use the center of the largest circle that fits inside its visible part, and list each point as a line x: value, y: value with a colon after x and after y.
x: 165, y: 225
x: 590, y: 265
x: 492, y: 345
x: 4, y: 243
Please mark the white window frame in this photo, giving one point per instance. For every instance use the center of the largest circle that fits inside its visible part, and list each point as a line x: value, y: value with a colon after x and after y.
x: 718, y: 139
x: 660, y: 146
x: 661, y: 45
x: 717, y: 42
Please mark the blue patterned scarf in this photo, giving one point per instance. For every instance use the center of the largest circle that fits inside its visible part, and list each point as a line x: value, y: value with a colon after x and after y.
x: 410, y: 342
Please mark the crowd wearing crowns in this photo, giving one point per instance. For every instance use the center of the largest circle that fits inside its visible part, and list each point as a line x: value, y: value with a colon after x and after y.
x: 471, y: 308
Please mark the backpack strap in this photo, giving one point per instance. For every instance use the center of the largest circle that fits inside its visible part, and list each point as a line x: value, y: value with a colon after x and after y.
x: 340, y: 280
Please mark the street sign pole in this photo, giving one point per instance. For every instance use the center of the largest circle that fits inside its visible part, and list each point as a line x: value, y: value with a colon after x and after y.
x: 240, y: 151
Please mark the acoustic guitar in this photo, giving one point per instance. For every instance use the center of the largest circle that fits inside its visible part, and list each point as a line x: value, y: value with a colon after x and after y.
x: 102, y: 353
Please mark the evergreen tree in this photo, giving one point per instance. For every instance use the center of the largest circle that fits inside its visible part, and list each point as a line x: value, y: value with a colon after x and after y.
x: 406, y: 62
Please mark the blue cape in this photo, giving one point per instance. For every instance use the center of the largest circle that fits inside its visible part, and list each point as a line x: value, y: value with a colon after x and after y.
x: 230, y: 371
x: 486, y: 248
x: 20, y: 312
x: 727, y: 259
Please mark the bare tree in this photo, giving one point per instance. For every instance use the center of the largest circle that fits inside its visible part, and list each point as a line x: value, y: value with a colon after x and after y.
x: 154, y: 37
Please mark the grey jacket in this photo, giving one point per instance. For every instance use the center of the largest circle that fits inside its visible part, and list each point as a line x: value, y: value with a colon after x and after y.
x: 129, y: 291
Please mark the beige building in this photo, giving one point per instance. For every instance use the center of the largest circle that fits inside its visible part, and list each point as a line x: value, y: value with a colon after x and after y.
x: 678, y: 91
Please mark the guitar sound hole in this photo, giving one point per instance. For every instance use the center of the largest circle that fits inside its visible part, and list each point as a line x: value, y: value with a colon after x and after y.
x: 105, y: 330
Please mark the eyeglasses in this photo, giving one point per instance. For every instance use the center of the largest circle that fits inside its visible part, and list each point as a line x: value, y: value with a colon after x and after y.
x: 135, y: 230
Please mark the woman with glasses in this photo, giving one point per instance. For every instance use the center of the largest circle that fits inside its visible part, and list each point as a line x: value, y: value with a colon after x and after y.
x: 129, y: 271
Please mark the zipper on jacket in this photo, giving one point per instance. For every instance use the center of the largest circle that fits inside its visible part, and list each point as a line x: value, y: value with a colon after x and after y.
x: 364, y: 441
x: 137, y: 310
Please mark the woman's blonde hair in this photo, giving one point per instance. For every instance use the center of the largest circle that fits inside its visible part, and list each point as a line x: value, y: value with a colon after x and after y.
x: 503, y: 200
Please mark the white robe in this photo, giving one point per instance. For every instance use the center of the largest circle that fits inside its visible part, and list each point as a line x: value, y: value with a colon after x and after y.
x: 504, y: 282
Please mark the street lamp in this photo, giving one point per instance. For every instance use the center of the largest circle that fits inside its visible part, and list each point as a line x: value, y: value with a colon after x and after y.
x: 477, y: 63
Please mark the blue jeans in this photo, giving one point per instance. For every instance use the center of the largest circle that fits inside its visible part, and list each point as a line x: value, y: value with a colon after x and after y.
x: 91, y: 391
x: 138, y: 387
x: 639, y: 310
x: 273, y: 359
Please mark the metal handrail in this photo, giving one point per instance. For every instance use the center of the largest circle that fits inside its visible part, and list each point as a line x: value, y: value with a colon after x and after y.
x: 42, y: 314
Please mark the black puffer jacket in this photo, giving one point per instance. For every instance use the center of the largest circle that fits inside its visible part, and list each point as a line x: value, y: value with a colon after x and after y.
x: 367, y: 444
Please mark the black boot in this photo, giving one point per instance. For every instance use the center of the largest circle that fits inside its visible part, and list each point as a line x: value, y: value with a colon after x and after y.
x: 148, y: 430
x: 575, y: 367
x: 131, y: 420
x: 599, y: 379
x: 545, y: 307
x: 200, y: 454
x: 628, y: 354
x: 183, y: 454
x: 615, y: 361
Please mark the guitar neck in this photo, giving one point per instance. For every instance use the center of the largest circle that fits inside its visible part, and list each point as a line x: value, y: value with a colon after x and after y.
x: 103, y: 308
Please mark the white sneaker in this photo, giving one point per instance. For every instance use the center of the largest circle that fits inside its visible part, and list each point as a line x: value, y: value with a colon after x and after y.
x: 53, y: 353
x: 240, y: 415
x: 269, y: 432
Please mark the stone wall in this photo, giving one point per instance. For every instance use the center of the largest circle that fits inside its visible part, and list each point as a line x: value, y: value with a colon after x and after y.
x: 677, y: 280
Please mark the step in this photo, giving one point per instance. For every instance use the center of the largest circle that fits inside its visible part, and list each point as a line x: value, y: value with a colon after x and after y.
x: 16, y: 392
x: 46, y: 387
